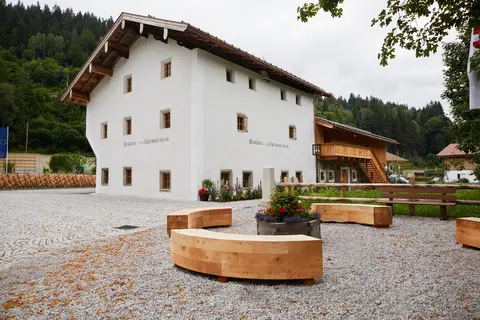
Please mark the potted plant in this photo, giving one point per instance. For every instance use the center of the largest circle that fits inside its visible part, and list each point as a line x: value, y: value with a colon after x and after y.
x: 205, y: 191
x: 286, y: 215
x: 203, y: 194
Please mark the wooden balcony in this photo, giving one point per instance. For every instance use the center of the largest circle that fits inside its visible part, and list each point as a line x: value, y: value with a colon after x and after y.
x: 341, y: 150
x: 365, y: 157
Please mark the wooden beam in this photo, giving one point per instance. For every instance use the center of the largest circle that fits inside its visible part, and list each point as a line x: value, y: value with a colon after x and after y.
x: 122, y: 51
x: 99, y: 69
x: 79, y: 96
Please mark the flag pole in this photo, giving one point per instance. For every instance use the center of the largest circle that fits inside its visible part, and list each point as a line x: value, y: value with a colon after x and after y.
x: 6, y: 156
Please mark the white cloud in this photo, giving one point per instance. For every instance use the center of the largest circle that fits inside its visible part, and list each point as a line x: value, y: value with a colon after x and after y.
x: 339, y: 55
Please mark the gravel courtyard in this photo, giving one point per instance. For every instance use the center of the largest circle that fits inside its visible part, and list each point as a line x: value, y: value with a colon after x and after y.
x: 61, y: 257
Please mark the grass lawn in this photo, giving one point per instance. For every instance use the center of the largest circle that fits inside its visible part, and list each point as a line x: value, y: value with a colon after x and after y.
x: 457, y: 211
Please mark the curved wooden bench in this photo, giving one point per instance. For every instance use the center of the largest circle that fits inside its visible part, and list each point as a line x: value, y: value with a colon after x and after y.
x: 229, y: 255
x: 376, y: 216
x: 199, y: 218
x: 468, y: 232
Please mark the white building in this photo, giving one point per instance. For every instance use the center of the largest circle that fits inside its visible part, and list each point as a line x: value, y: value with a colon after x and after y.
x: 169, y: 105
x: 460, y: 164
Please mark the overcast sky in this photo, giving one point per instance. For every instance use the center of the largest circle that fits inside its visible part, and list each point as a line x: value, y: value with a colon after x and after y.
x: 339, y: 55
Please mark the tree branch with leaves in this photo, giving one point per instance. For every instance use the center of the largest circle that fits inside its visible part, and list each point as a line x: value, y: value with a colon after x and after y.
x: 417, y: 25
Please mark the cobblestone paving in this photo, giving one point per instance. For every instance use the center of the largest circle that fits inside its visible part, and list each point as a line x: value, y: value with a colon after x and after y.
x: 41, y: 221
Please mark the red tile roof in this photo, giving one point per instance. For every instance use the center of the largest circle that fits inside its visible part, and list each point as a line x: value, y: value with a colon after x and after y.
x: 394, y: 158
x: 451, y: 151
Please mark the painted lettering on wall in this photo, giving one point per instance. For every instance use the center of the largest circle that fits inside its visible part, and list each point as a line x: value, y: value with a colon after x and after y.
x: 267, y: 144
x: 145, y: 141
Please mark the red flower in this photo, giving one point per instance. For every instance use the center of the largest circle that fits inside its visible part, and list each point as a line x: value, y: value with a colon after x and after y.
x: 202, y: 191
x: 282, y: 210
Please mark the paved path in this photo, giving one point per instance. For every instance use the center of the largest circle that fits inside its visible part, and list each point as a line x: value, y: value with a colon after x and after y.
x: 38, y: 221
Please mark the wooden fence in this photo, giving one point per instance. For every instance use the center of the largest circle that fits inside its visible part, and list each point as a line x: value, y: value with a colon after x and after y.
x: 39, y: 181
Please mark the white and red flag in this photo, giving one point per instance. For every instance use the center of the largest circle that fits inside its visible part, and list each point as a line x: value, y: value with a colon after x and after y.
x: 472, y: 76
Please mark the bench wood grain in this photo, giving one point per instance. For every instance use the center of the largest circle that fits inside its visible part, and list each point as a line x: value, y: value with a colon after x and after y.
x: 377, y: 216
x: 229, y: 255
x: 468, y: 232
x: 199, y: 218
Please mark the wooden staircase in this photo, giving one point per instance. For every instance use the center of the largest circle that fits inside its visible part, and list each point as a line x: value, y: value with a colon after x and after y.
x: 371, y: 173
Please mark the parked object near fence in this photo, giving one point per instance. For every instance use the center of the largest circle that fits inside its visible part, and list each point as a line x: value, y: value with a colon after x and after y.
x: 468, y: 232
x: 229, y: 255
x: 436, y: 196
x: 376, y: 216
x: 42, y: 181
x: 199, y: 218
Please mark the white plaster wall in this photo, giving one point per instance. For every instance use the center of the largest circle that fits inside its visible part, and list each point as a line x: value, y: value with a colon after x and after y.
x: 268, y: 120
x: 452, y: 176
x: 149, y: 96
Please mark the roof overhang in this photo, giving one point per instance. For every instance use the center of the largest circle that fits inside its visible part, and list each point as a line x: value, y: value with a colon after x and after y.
x: 335, y: 125
x: 129, y: 27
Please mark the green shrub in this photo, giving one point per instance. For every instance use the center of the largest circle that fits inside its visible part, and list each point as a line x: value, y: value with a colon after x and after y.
x: 225, y: 194
x: 285, y: 206
x: 67, y: 163
x: 463, y: 180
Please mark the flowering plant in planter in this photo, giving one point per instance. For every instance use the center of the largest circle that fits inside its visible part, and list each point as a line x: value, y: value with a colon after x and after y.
x: 203, y: 194
x: 285, y: 207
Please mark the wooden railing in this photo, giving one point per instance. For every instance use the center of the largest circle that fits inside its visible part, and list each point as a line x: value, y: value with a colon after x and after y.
x: 344, y: 150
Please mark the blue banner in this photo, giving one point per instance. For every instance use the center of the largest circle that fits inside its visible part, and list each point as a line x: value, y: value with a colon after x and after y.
x: 3, y: 142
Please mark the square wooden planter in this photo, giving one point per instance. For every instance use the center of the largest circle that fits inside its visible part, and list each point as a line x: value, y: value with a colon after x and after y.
x: 310, y: 228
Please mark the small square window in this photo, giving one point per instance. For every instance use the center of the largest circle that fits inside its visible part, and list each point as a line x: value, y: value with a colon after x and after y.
x: 127, y: 176
x: 247, y: 179
x: 104, y: 176
x: 165, y: 181
x: 241, y: 122
x: 299, y: 176
x: 252, y: 84
x: 283, y: 175
x: 292, y: 132
x: 104, y: 130
x: 128, y: 84
x: 283, y: 95
x: 323, y: 176
x: 165, y: 119
x: 166, y: 69
x: 127, y: 126
x: 226, y: 177
x: 298, y: 99
x: 230, y: 75
x: 331, y: 176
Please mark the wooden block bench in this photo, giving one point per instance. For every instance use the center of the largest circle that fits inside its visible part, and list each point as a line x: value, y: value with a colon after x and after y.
x: 376, y: 216
x: 229, y: 255
x: 411, y: 195
x: 468, y: 232
x: 199, y: 218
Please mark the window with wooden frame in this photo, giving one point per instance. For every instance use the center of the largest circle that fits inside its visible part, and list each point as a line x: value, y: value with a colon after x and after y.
x: 127, y: 126
x: 165, y: 119
x: 283, y: 94
x: 104, y: 130
x: 299, y: 176
x: 230, y: 75
x: 226, y: 177
x: 165, y: 181
x: 252, y: 84
x: 166, y: 68
x: 283, y: 175
x: 247, y: 179
x: 127, y: 176
x: 323, y: 176
x: 104, y: 176
x: 128, y: 85
x: 292, y: 132
x: 354, y: 175
x: 298, y: 99
x: 242, y: 122
x: 331, y: 176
